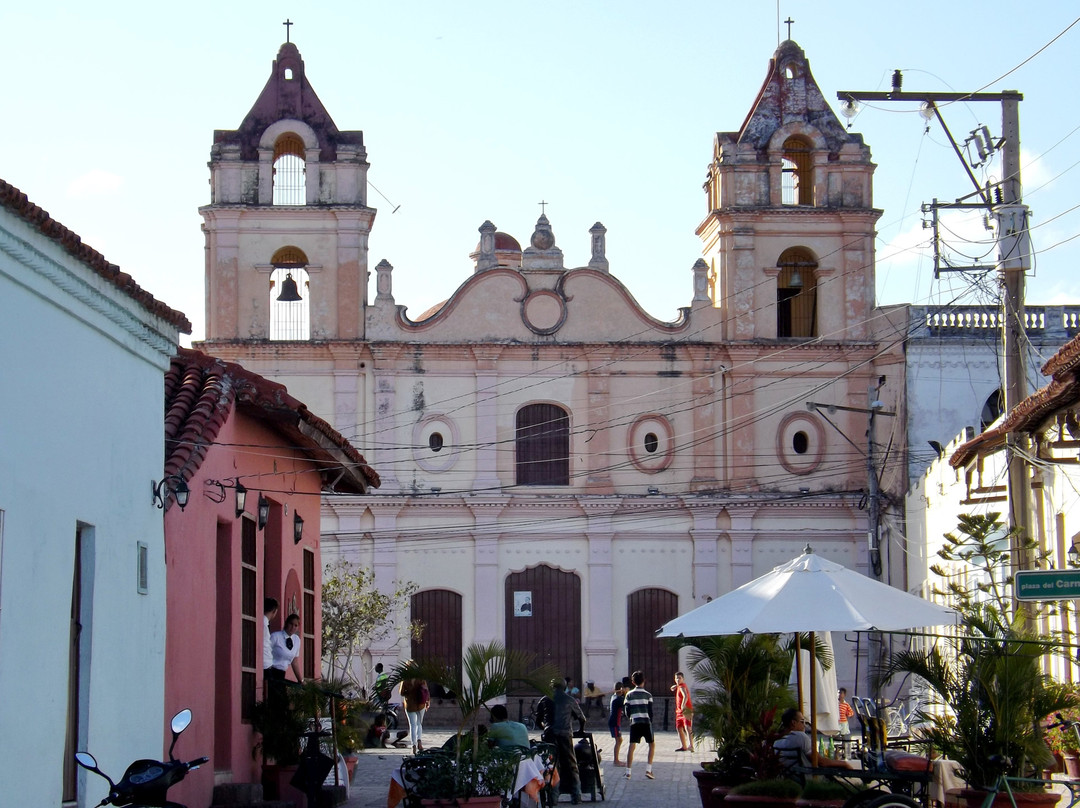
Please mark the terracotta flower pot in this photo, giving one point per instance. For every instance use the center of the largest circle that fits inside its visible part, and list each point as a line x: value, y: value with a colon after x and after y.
x: 706, y: 783
x: 1072, y: 765
x: 757, y: 801
x: 974, y: 798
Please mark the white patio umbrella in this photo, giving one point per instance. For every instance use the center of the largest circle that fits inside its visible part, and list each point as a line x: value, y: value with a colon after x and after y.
x: 809, y: 594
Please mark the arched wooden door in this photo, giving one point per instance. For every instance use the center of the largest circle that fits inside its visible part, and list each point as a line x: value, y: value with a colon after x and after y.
x: 439, y: 610
x: 543, y: 617
x: 646, y: 611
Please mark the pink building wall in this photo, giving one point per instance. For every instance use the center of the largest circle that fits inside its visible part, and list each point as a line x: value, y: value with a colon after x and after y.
x: 203, y: 558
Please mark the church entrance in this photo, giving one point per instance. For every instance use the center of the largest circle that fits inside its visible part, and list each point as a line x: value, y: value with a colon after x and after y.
x: 543, y: 617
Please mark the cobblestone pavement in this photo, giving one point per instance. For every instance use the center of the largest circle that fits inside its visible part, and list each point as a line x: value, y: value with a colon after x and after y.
x: 674, y: 786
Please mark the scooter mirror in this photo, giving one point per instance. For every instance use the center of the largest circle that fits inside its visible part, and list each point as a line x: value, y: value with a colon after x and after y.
x: 180, y: 721
x: 86, y: 760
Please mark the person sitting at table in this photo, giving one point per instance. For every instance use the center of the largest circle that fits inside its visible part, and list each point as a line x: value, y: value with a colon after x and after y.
x: 503, y: 732
x: 796, y: 746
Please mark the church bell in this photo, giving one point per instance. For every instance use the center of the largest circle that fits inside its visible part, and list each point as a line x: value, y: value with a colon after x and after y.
x: 289, y: 292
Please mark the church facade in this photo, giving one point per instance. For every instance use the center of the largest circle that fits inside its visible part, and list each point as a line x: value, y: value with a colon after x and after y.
x: 561, y: 471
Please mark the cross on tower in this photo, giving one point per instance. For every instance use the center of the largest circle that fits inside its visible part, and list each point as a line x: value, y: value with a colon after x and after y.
x: 289, y: 24
x: 788, y: 22
x: 543, y: 205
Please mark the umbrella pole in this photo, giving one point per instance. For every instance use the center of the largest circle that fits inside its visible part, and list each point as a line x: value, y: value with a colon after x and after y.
x: 813, y: 703
x: 798, y: 670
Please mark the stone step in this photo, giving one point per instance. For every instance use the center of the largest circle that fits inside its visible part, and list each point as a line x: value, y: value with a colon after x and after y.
x: 244, y: 795
x: 237, y: 794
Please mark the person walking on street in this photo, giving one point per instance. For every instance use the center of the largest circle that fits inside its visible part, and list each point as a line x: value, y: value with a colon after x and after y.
x: 845, y: 713
x: 614, y: 721
x: 415, y: 698
x: 560, y: 733
x: 637, y: 706
x: 684, y: 711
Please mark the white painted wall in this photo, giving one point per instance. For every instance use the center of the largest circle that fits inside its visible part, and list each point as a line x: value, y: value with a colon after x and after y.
x: 952, y: 369
x: 81, y: 436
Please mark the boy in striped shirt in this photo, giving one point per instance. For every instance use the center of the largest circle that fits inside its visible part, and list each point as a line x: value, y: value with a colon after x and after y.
x: 637, y: 706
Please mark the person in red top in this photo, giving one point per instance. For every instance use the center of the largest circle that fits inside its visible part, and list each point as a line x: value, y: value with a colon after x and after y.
x: 684, y: 714
x: 845, y: 713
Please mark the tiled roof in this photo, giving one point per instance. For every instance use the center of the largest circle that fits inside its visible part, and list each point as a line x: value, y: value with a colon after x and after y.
x: 1063, y: 391
x: 15, y: 201
x: 200, y: 392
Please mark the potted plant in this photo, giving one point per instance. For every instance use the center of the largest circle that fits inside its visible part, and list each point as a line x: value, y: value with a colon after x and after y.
x: 773, y: 791
x: 280, y: 728
x: 350, y: 730
x: 821, y: 793
x: 475, y: 772
x: 475, y: 778
x: 990, y: 675
x: 1063, y: 743
x: 741, y: 686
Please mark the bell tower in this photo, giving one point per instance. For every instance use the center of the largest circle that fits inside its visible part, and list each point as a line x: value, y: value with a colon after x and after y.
x: 288, y: 223
x: 790, y: 228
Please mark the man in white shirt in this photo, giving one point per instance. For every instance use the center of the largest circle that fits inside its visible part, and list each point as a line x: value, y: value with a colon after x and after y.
x: 270, y: 610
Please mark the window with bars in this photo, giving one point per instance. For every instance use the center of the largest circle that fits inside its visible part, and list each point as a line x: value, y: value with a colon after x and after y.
x: 543, y: 445
x: 797, y: 175
x: 290, y: 171
x: 250, y: 637
x: 308, y: 621
x: 796, y: 294
x: 290, y: 294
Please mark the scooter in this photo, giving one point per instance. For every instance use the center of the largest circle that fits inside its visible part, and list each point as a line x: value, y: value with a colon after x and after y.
x: 146, y: 782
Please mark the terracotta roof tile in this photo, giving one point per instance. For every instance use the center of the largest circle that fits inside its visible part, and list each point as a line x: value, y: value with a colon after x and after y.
x: 201, y: 391
x: 16, y: 202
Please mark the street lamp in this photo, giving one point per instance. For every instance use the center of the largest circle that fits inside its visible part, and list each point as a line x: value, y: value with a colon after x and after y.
x: 159, y: 492
x: 241, y: 498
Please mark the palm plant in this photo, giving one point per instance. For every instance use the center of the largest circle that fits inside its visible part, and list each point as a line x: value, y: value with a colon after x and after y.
x: 742, y: 679
x: 992, y: 679
x: 989, y: 678
x: 487, y: 673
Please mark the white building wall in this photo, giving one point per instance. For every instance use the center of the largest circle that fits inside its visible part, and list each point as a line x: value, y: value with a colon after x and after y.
x: 954, y: 366
x: 81, y: 431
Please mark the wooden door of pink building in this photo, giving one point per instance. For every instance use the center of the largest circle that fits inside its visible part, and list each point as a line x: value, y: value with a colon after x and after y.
x: 543, y: 617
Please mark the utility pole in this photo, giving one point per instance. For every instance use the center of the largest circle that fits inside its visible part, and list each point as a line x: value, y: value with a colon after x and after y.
x: 1006, y: 203
x: 873, y: 486
x: 874, y: 406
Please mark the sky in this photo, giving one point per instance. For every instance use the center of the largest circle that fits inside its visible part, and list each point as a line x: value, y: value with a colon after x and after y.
x: 477, y: 111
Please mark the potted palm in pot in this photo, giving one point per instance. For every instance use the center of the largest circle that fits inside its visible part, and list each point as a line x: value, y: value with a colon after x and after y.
x: 989, y: 678
x: 741, y: 687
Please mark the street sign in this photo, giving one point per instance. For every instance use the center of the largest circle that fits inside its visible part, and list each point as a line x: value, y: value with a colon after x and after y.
x: 1047, y: 585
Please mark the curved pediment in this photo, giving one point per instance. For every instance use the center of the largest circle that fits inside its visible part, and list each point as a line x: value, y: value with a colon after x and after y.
x: 507, y: 305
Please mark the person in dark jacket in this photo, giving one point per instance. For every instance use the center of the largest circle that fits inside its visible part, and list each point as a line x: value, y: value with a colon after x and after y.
x: 565, y: 710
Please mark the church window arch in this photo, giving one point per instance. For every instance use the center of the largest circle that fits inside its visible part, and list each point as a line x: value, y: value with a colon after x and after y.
x: 796, y: 294
x: 289, y: 319
x: 797, y: 175
x: 290, y: 171
x: 542, y: 445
